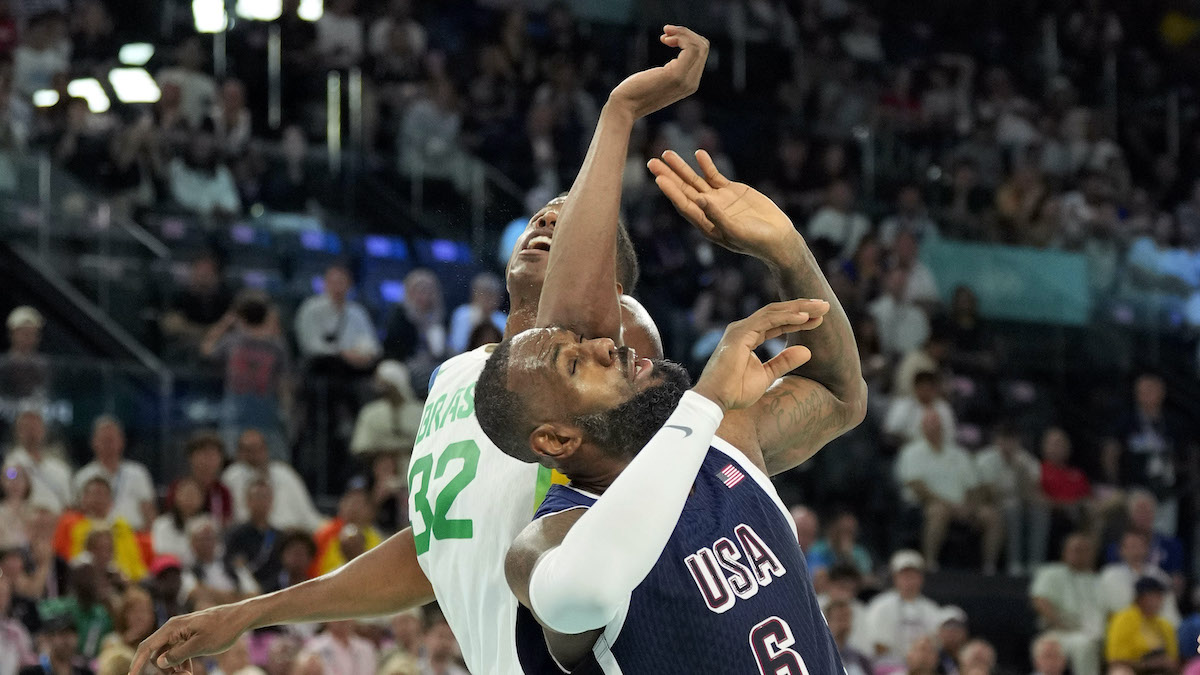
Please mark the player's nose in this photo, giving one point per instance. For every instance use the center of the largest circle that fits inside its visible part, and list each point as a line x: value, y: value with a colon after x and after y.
x: 603, y: 350
x: 549, y: 219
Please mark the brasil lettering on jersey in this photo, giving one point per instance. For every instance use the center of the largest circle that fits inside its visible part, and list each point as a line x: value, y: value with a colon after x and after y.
x: 447, y: 408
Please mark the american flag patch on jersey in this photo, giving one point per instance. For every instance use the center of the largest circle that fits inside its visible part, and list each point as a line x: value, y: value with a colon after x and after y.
x: 730, y: 475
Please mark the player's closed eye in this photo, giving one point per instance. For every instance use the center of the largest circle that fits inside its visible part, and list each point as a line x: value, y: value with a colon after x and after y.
x: 574, y: 362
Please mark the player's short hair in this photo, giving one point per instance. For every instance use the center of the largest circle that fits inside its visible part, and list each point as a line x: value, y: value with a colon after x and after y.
x: 502, y: 412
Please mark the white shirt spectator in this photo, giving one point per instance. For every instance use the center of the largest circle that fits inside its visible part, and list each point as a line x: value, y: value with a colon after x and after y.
x: 131, y: 485
x: 842, y: 228
x: 383, y: 427
x: 354, y: 657
x: 949, y: 474
x: 216, y: 577
x: 1004, y: 477
x: 1075, y: 596
x: 340, y: 38
x: 202, y: 192
x: 197, y: 91
x: 171, y: 540
x: 293, y: 507
x: 50, y: 478
x: 1116, y: 589
x: 896, y: 623
x: 318, y: 317
x: 922, y: 287
x: 904, y: 419
x: 903, y: 326
x: 913, y: 362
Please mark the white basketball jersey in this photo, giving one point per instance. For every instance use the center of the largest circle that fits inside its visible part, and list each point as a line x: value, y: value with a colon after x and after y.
x: 468, y: 501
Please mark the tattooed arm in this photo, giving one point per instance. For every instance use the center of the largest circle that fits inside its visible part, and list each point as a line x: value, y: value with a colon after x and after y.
x: 821, y: 399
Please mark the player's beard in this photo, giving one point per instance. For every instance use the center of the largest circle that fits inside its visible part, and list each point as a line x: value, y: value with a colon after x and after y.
x: 624, y: 430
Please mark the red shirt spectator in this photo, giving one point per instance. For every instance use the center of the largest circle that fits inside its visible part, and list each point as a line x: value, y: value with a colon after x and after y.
x: 1064, y: 484
x: 206, y: 458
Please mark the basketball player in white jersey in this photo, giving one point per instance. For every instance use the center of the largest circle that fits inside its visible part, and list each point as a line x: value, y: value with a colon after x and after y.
x: 454, y: 472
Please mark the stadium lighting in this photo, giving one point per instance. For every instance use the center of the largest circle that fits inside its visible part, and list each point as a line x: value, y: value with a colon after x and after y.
x: 45, y: 98
x: 311, y: 10
x: 89, y: 89
x: 209, y: 16
x: 135, y: 53
x: 134, y: 85
x: 259, y: 10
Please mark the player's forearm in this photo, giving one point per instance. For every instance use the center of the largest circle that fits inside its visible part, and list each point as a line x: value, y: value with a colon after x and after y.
x: 580, y: 288
x: 581, y: 584
x: 835, y: 361
x: 382, y: 581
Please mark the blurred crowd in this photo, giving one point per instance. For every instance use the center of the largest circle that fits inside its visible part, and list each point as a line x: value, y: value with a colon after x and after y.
x: 1063, y: 127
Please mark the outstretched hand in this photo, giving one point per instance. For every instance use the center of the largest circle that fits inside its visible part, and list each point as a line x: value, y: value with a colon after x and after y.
x: 649, y: 90
x: 183, y: 638
x: 734, y: 377
x: 731, y: 214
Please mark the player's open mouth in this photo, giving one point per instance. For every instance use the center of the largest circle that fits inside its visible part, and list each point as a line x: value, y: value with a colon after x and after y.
x: 538, y: 243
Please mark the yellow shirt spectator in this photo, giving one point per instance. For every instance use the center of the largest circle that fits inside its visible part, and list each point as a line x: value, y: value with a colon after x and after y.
x: 1132, y: 635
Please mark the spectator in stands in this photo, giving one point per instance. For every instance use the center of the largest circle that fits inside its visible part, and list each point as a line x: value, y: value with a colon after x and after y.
x: 85, y: 608
x: 840, y: 546
x: 334, y: 333
x: 1117, y: 579
x: 206, y: 456
x: 921, y: 656
x: 211, y: 576
x: 170, y: 530
x: 398, y: 17
x: 49, y: 476
x: 837, y: 221
x: 899, y: 617
x: 952, y: 636
x: 340, y: 35
x: 972, y: 351
x: 903, y: 326
x: 166, y: 580
x: 977, y: 657
x: 340, y: 651
x: 487, y: 294
x: 43, y: 52
x: 197, y: 88
x: 428, y: 143
x: 840, y: 617
x: 1065, y: 491
x: 96, y: 513
x: 1138, y: 636
x: 16, y: 510
x: 133, y: 619
x: 905, y: 415
x: 46, y: 575
x: 1166, y: 552
x: 1047, y: 655
x: 231, y: 119
x: 1066, y: 597
x: 296, y: 555
x: 354, y: 510
x: 939, y: 478
x: 963, y: 198
x: 195, y: 308
x: 289, y: 185
x: 843, y: 583
x: 389, y: 424
x: 931, y: 357
x: 807, y: 527
x: 863, y: 273
x: 24, y: 372
x: 1152, y: 446
x: 258, y: 390
x: 293, y: 507
x: 254, y: 544
x: 93, y: 42
x: 440, y: 655
x: 16, y: 647
x: 201, y: 183
x: 58, y: 655
x: 911, y: 216
x: 133, y: 491
x: 1011, y: 477
x: 921, y: 288
x: 416, y: 331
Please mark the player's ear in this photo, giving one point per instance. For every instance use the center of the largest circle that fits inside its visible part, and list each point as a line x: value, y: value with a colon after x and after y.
x: 555, y: 442
x: 620, y: 289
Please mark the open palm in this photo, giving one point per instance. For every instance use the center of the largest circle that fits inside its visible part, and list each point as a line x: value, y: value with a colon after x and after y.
x: 729, y: 213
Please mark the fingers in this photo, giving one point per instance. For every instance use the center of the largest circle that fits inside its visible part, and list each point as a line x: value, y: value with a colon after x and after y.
x: 686, y: 207
x: 786, y: 361
x: 177, y: 655
x: 685, y: 172
x: 709, y: 168
x: 147, y: 649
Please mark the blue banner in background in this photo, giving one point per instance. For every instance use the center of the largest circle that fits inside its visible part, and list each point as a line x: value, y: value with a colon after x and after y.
x: 1014, y: 283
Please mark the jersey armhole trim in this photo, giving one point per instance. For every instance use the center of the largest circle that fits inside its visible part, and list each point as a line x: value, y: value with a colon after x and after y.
x: 725, y: 447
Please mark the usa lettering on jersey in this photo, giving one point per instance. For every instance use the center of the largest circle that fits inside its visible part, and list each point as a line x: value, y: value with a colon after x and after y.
x: 726, y: 572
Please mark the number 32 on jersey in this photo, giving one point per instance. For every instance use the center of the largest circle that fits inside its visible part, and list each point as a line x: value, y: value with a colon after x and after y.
x: 434, y: 520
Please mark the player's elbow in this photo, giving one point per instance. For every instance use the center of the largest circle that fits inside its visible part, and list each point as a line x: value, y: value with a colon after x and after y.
x: 855, y: 405
x: 590, y: 605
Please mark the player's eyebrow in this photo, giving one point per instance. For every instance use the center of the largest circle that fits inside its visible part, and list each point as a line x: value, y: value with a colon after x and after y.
x: 554, y: 356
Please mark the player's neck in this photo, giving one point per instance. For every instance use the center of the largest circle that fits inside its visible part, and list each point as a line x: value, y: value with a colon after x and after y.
x: 522, y: 314
x: 597, y: 477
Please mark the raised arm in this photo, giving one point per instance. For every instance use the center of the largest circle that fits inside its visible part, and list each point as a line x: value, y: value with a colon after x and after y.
x: 351, y: 591
x: 580, y: 288
x: 827, y: 395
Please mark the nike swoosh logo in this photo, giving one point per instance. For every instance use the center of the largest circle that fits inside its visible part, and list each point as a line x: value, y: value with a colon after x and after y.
x: 687, y: 431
